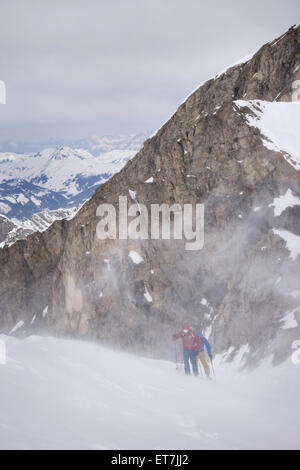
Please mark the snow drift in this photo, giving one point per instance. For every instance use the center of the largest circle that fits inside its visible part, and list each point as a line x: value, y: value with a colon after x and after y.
x: 63, y: 394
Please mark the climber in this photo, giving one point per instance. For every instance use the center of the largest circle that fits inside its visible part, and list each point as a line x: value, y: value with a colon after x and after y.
x: 191, y: 347
x: 201, y: 354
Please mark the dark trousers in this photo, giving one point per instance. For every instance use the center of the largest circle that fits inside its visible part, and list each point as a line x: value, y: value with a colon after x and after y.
x: 187, y: 357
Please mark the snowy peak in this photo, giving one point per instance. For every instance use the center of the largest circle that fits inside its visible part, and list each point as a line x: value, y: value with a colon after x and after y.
x: 7, y: 157
x: 61, y: 153
x: 96, y: 145
x: 60, y: 177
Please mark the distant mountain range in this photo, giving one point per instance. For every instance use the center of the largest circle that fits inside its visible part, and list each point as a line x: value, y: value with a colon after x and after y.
x: 95, y: 145
x: 38, y: 188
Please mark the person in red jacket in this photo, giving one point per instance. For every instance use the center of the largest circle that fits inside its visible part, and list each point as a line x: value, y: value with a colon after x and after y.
x: 191, y: 347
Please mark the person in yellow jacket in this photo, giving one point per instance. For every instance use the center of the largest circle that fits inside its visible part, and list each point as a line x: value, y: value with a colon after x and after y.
x: 204, y: 344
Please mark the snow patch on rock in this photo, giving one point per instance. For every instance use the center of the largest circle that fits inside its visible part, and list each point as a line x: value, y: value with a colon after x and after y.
x: 283, y: 202
x: 135, y: 257
x: 45, y: 311
x: 149, y: 180
x: 279, y: 123
x: 289, y: 320
x: 147, y: 295
x: 19, y: 325
x: 292, y: 242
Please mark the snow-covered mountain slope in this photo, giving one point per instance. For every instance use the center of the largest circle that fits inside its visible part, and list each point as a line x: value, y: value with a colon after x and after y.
x: 279, y: 123
x: 19, y: 199
x: 13, y: 230
x: 72, y: 174
x: 8, y: 157
x: 63, y: 394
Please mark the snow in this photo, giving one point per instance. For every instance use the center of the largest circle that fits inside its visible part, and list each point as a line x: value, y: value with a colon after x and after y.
x: 240, y: 61
x: 45, y: 311
x: 10, y: 199
x: 107, y: 262
x: 62, y: 168
x: 147, y: 295
x: 216, y: 109
x: 292, y: 242
x: 16, y: 327
x: 7, y: 157
x: 294, y: 293
x: 66, y: 394
x: 38, y: 222
x: 154, y: 133
x: 278, y: 280
x: 135, y: 257
x: 273, y: 43
x: 21, y: 199
x: 149, y: 180
x: 283, y: 202
x: 279, y: 124
x: 190, y: 94
x: 4, y: 208
x: 132, y: 194
x: 35, y: 201
x: 290, y: 320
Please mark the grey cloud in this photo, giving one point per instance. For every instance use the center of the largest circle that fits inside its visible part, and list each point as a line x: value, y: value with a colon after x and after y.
x: 92, y: 66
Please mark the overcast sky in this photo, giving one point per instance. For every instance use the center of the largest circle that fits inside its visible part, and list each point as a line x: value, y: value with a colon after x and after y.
x: 74, y: 68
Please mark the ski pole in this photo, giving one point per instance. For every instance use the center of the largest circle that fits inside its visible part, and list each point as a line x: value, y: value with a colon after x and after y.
x: 213, y: 369
x: 176, y: 355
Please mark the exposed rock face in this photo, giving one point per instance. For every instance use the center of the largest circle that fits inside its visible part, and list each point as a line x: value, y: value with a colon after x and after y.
x: 206, y: 153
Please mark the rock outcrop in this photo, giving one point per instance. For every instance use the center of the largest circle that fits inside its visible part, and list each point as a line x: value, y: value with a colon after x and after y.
x: 11, y: 231
x: 66, y: 281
